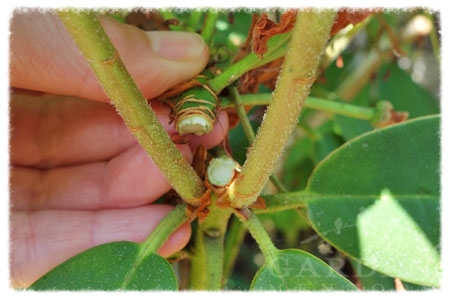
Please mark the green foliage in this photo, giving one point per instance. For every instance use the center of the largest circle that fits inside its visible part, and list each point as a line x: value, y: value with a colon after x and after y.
x: 110, y: 267
x: 372, y: 194
x: 297, y: 270
x: 411, y: 97
x: 380, y: 204
x: 376, y: 202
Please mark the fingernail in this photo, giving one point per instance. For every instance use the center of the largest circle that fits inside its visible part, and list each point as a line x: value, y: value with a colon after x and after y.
x: 174, y: 45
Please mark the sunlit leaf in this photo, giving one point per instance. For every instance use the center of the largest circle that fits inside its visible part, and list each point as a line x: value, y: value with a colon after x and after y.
x: 377, y: 199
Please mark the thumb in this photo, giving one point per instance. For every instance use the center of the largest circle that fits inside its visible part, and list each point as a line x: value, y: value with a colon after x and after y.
x: 44, y: 57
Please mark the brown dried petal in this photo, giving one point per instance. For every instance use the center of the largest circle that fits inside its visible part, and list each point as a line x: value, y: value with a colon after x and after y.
x: 265, y: 29
x: 348, y: 16
x: 266, y: 75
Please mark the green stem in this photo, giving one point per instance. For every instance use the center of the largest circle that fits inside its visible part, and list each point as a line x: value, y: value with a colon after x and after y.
x: 277, y: 47
x: 340, y: 108
x: 207, y: 258
x: 247, y: 100
x: 194, y: 20
x: 195, y: 111
x: 171, y: 222
x: 260, y: 235
x: 278, y: 184
x: 196, y: 107
x: 242, y: 114
x: 235, y: 236
x: 209, y: 26
x: 248, y: 130
x: 284, y: 201
x: 109, y: 69
x: 331, y: 106
x: 353, y: 83
x: 296, y: 77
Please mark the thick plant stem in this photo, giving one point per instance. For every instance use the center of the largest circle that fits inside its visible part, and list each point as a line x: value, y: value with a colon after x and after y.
x: 308, y: 42
x: 207, y: 258
x: 109, y: 69
x: 248, y: 130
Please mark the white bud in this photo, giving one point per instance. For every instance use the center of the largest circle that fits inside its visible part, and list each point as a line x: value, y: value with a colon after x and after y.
x: 221, y: 170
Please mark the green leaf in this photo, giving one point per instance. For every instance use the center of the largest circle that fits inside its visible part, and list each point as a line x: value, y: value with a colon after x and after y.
x: 111, y: 266
x: 411, y: 97
x: 377, y: 199
x: 370, y: 280
x: 294, y: 269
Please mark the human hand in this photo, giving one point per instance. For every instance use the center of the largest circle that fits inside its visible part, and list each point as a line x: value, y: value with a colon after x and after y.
x: 78, y: 176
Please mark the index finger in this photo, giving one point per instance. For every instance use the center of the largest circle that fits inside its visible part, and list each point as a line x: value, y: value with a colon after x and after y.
x: 44, y: 57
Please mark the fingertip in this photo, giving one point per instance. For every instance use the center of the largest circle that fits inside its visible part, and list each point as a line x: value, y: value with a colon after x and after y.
x: 157, y: 60
x: 177, y: 241
x: 177, y: 45
x: 175, y: 58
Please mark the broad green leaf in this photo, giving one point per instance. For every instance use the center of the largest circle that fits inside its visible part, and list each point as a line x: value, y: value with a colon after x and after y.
x: 371, y: 280
x: 377, y: 199
x: 113, y: 266
x: 411, y: 97
x: 294, y: 269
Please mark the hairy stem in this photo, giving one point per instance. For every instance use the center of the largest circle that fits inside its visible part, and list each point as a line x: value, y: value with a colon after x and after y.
x: 260, y: 235
x: 207, y: 258
x: 248, y: 130
x: 110, y: 71
x: 308, y: 42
